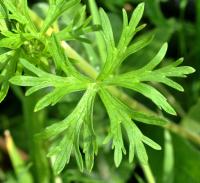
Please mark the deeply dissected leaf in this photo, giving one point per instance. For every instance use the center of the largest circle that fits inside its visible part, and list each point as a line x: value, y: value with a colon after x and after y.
x: 15, y: 40
x: 129, y: 29
x: 107, y: 29
x: 19, y: 11
x: 78, y: 28
x: 71, y: 127
x: 99, y: 36
x: 61, y: 85
x: 120, y: 117
x: 153, y: 94
x: 76, y: 131
x: 61, y: 61
x: 9, y: 63
x: 57, y: 53
x: 116, y: 54
x: 55, y: 10
x: 15, y: 14
x: 134, y: 79
x: 4, y: 58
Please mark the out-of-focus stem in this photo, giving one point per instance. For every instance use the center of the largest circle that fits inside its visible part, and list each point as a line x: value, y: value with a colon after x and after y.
x: 148, y: 173
x: 34, y: 124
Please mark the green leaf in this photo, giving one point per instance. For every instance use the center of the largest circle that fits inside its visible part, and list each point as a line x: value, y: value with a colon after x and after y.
x: 70, y: 128
x: 148, y: 119
x: 136, y: 17
x: 138, y: 45
x: 107, y: 29
x: 99, y: 36
x: 120, y: 116
x: 57, y: 53
x: 7, y: 72
x: 19, y: 12
x: 117, y: 54
x: 78, y: 28
x: 154, y: 12
x: 15, y: 13
x: 157, y: 59
x: 129, y: 29
x: 29, y: 81
x: 32, y: 68
x: 125, y: 19
x: 186, y: 161
x: 78, y: 155
x: 90, y: 146
x: 14, y: 40
x: 151, y: 93
x: 56, y: 95
x: 115, y: 128
x: 151, y: 143
x: 154, y: 95
x: 62, y: 85
x: 141, y: 152
x: 134, y: 79
x: 55, y: 10
x: 4, y: 59
x: 63, y: 156
x: 61, y: 61
x: 191, y: 121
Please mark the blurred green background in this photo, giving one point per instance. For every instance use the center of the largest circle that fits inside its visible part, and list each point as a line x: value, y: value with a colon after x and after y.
x: 174, y: 21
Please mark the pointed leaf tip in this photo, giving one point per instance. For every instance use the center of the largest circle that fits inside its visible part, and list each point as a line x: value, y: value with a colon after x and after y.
x: 142, y: 5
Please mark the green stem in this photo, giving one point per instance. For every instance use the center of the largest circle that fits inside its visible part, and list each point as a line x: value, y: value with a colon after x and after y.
x: 18, y: 93
x: 34, y: 124
x: 148, y: 173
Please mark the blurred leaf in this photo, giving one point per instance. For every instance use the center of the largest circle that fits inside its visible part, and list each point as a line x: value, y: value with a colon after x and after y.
x: 154, y: 13
x: 56, y: 9
x: 187, y: 161
x: 192, y: 119
x: 9, y: 62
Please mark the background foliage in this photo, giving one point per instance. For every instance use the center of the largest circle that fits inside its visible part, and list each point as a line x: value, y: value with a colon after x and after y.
x: 175, y: 22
